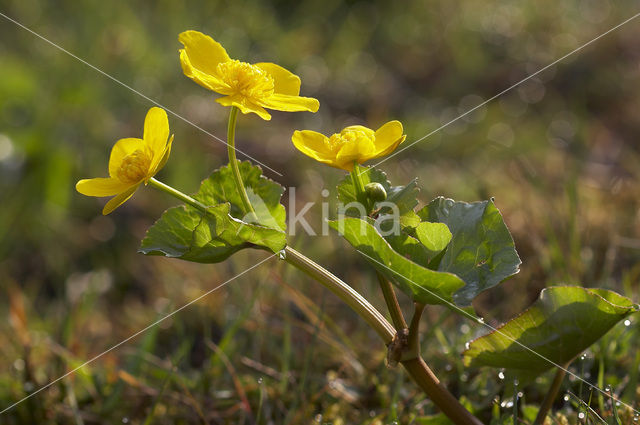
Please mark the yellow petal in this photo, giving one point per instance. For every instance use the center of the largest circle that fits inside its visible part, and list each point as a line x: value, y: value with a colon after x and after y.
x: 359, y: 150
x: 388, y: 137
x: 208, y: 81
x: 156, y: 132
x: 283, y: 102
x: 163, y: 159
x: 101, y: 186
x: 244, y: 106
x: 120, y: 150
x: 313, y: 144
x: 118, y: 200
x: 202, y: 51
x: 285, y: 82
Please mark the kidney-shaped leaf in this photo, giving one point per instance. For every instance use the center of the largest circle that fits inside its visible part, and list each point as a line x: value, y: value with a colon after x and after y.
x: 562, y: 323
x: 421, y: 284
x: 481, y: 250
x: 264, y: 194
x: 187, y: 233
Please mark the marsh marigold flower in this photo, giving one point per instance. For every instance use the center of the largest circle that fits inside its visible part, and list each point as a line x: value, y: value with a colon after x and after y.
x: 132, y: 162
x: 353, y: 144
x: 250, y: 87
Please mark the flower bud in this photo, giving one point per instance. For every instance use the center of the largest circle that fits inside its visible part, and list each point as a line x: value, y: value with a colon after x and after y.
x: 375, y: 192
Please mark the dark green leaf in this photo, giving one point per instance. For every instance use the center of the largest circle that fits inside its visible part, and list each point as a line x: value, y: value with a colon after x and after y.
x: 481, y: 251
x: 186, y: 233
x: 421, y: 284
x: 264, y: 194
x: 189, y: 234
x: 562, y: 323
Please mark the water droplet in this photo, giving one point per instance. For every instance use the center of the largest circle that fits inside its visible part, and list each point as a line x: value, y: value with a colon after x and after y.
x: 607, y: 389
x: 515, y: 382
x: 260, y: 381
x: 464, y: 328
x: 627, y: 322
x: 618, y: 404
x: 566, y: 397
x: 282, y: 254
x: 467, y: 345
x: 583, y: 356
x: 464, y: 377
x: 520, y: 394
x: 501, y: 375
x: 581, y: 415
x: 480, y: 320
x: 125, y: 420
x: 318, y: 418
x: 372, y: 413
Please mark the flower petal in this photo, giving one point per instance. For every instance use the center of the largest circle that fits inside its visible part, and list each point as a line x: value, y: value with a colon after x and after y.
x: 359, y: 150
x: 388, y: 137
x: 203, y: 52
x: 244, y: 106
x: 163, y: 159
x: 208, y: 81
x: 101, y: 186
x: 156, y: 132
x: 284, y: 102
x: 118, y: 200
x: 285, y: 82
x: 313, y: 144
x: 120, y: 150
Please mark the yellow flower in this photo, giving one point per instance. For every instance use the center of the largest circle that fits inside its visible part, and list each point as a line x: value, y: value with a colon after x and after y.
x: 132, y: 162
x: 250, y: 87
x: 353, y: 144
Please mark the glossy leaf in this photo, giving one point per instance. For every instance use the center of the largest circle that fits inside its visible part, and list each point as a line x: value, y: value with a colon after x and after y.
x: 421, y: 284
x: 264, y: 194
x: 187, y: 233
x: 562, y: 323
x: 481, y: 250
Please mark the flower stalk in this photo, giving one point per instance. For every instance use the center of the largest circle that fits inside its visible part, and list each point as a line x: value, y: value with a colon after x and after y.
x: 233, y: 162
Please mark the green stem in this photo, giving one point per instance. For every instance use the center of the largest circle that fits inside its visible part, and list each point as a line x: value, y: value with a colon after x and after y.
x: 392, y: 303
x: 551, y: 395
x: 177, y: 194
x: 233, y: 162
x: 345, y: 292
x: 359, y: 186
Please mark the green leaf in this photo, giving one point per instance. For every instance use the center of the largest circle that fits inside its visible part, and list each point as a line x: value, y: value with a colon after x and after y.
x: 404, y: 197
x: 481, y: 250
x: 187, y: 233
x: 421, y: 284
x: 434, y: 236
x: 264, y: 194
x: 562, y: 323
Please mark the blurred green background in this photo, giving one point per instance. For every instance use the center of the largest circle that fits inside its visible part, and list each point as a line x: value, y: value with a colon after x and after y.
x: 559, y: 153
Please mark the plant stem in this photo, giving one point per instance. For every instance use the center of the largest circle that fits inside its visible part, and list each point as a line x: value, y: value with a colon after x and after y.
x: 392, y: 303
x: 414, y: 331
x: 359, y: 186
x: 551, y: 395
x: 438, y: 393
x: 345, y: 292
x: 177, y: 194
x: 233, y: 162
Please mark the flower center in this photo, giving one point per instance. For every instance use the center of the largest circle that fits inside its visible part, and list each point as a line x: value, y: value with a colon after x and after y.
x: 134, y: 167
x: 246, y: 80
x: 348, y: 135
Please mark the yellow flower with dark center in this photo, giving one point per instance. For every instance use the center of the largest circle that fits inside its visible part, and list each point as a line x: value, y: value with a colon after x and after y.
x: 353, y: 144
x: 250, y: 87
x: 132, y: 162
